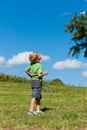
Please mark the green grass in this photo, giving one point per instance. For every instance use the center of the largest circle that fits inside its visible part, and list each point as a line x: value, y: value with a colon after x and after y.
x: 66, y: 108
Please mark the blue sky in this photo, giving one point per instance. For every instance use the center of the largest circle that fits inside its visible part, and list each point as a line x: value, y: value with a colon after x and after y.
x: 38, y: 25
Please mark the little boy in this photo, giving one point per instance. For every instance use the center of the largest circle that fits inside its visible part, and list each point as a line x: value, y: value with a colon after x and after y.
x: 34, y: 70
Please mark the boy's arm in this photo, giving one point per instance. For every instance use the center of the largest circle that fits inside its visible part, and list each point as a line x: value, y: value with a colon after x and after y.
x: 28, y: 73
x: 42, y: 74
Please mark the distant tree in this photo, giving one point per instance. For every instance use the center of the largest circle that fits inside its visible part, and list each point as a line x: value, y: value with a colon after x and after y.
x: 56, y: 81
x: 78, y: 29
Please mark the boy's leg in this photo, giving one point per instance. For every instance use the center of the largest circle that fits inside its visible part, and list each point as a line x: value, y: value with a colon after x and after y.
x: 38, y: 110
x: 37, y: 104
x: 32, y: 104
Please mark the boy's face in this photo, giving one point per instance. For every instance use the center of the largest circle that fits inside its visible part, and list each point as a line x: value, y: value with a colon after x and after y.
x: 39, y: 57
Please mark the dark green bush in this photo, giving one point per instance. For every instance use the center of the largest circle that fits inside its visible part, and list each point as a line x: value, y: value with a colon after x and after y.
x: 5, y: 78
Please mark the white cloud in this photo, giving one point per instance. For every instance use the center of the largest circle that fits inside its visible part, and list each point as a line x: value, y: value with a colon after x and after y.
x: 85, y: 0
x: 2, y: 60
x: 65, y: 14
x: 67, y: 64
x: 21, y: 58
x: 84, y: 74
x: 83, y: 12
x: 45, y: 58
x: 84, y: 65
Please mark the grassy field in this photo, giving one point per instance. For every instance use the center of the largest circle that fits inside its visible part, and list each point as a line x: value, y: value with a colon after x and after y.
x: 65, y: 108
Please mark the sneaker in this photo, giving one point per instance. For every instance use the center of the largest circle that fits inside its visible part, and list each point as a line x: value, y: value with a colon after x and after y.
x: 31, y: 112
x: 39, y: 112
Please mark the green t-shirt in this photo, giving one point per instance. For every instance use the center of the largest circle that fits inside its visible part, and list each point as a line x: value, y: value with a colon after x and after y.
x: 34, y: 69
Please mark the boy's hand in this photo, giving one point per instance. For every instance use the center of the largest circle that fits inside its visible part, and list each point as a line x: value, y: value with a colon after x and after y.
x: 42, y: 74
x: 46, y: 72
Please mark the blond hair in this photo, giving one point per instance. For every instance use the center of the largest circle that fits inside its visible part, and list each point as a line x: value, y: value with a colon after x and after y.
x: 33, y: 57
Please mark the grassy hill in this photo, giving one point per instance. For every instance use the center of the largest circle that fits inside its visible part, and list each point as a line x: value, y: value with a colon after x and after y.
x: 65, y: 107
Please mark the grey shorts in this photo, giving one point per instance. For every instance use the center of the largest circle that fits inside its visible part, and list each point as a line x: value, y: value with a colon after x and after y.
x: 36, y: 86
